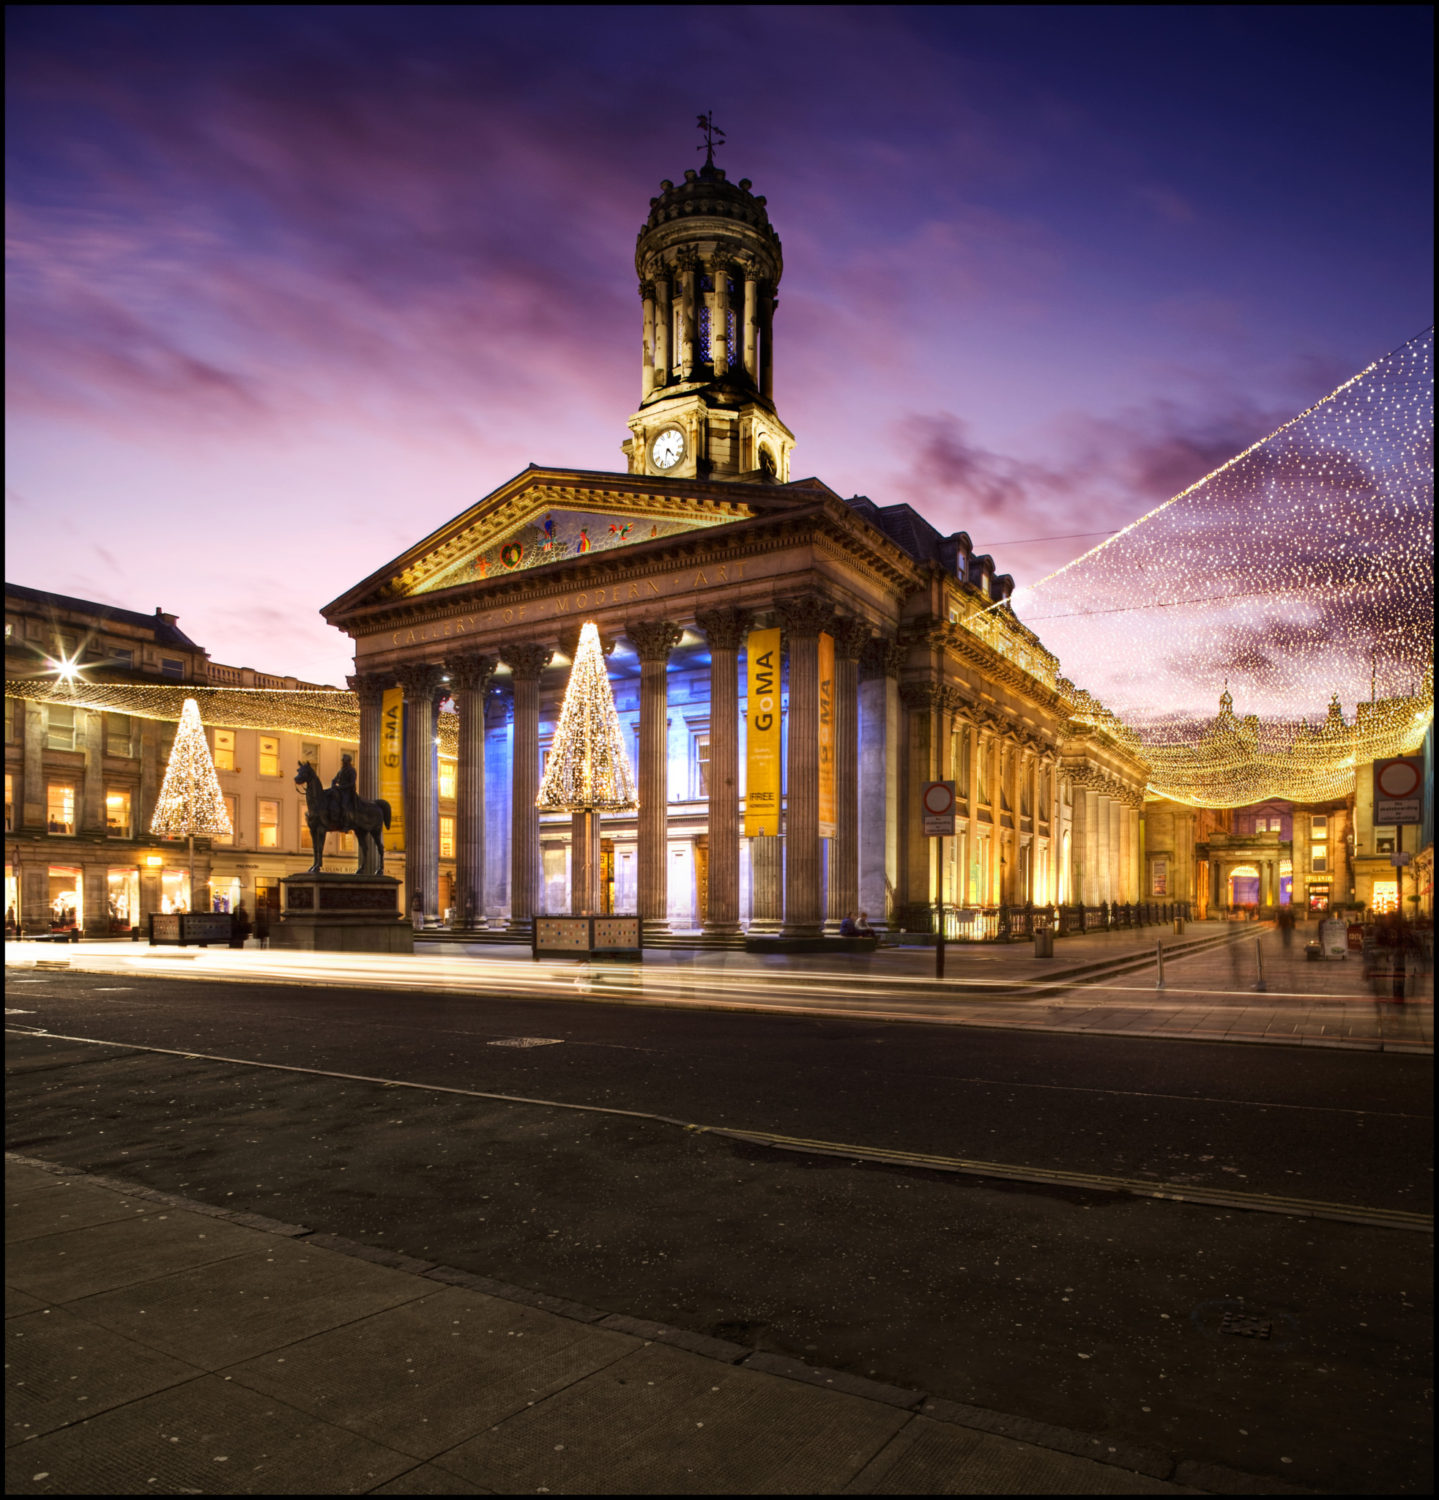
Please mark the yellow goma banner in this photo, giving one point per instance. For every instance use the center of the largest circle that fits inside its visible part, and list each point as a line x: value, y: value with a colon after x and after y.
x: 392, y: 781
x: 826, y: 736
x: 762, y: 734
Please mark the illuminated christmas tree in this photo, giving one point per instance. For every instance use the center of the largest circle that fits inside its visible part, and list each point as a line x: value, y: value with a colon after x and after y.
x: 588, y: 768
x: 190, y: 800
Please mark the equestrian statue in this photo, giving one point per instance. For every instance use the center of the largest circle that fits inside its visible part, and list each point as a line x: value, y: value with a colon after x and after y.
x: 340, y: 810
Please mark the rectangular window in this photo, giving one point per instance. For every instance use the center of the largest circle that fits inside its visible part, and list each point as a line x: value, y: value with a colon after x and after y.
x: 269, y: 824
x: 1319, y: 823
x: 117, y: 814
x: 122, y: 656
x: 60, y: 809
x: 59, y: 727
x: 447, y: 838
x: 224, y: 749
x: 169, y: 667
x: 232, y: 806
x: 1319, y: 857
x: 961, y: 762
x: 702, y: 765
x: 310, y: 753
x: 9, y: 803
x: 269, y: 755
x: 9, y: 721
x: 65, y: 645
x: 983, y: 790
x: 119, y: 735
x: 448, y: 773
x: 1024, y: 801
x: 1384, y: 841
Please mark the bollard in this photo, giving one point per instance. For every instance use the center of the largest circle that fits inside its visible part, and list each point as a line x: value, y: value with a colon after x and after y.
x: 1259, y: 987
x: 939, y: 956
x: 1159, y: 959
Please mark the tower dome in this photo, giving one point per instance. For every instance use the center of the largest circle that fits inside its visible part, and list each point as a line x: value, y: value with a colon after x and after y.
x: 709, y: 264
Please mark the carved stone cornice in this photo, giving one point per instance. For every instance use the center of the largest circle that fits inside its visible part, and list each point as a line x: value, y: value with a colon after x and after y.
x: 527, y: 661
x: 882, y: 657
x: 850, y: 637
x: 921, y: 697
x: 725, y: 629
x: 1092, y: 779
x: 369, y: 687
x: 470, y: 671
x: 953, y: 698
x: 923, y: 630
x: 804, y: 614
x: 421, y: 681
x: 653, y: 639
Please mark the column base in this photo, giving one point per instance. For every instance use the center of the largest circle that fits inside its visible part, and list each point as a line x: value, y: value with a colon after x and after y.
x: 655, y: 927
x: 802, y: 930
x: 721, y: 929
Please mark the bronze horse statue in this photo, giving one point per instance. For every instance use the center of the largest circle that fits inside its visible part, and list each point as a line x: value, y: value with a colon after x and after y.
x: 324, y: 814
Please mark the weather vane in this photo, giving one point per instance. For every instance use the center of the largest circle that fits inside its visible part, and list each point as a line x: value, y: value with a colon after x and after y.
x: 714, y: 136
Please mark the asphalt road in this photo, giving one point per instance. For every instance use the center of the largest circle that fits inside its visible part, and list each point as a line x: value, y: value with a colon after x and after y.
x: 1090, y: 1309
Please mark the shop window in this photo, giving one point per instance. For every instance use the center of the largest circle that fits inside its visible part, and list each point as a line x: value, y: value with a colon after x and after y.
x: 269, y: 755
x: 448, y: 773
x: 117, y: 814
x: 1385, y: 897
x: 224, y: 749
x: 169, y: 667
x: 60, y: 809
x: 1319, y: 857
x: 9, y: 803
x: 269, y: 824
x: 67, y: 896
x: 232, y: 807
x: 700, y: 759
x: 119, y: 735
x: 122, y: 897
x: 1318, y: 898
x: 447, y: 838
x: 174, y: 890
x: 60, y: 727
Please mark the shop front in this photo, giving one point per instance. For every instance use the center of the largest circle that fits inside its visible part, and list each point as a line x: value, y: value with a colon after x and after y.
x: 122, y: 898
x: 174, y: 891
x: 12, y: 901
x: 67, y: 899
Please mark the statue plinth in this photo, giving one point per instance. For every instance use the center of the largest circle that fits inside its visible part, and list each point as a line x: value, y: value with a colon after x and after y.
x: 342, y: 913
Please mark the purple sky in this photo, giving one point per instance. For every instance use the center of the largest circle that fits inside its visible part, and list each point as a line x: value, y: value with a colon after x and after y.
x: 292, y: 282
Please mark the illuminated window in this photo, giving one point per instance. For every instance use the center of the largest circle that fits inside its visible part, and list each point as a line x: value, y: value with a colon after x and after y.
x: 232, y: 807
x: 702, y: 354
x: 9, y: 721
x: 447, y: 838
x: 1319, y: 857
x: 117, y: 814
x: 983, y: 790
x: 9, y: 805
x: 702, y: 765
x: 60, y: 809
x: 1385, y: 897
x: 1318, y: 824
x: 269, y: 823
x: 224, y: 749
x: 448, y: 770
x: 269, y: 755
x: 60, y: 727
x: 119, y: 735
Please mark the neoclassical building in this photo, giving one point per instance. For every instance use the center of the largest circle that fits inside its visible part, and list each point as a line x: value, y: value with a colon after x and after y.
x: 899, y: 662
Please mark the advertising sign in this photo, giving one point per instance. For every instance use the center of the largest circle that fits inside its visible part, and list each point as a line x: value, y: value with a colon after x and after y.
x: 826, y: 736
x: 762, y: 734
x: 1159, y: 877
x: 937, y: 809
x: 392, y: 781
x: 1398, y: 790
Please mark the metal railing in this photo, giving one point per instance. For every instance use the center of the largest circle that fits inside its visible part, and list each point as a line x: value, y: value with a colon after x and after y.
x: 991, y: 924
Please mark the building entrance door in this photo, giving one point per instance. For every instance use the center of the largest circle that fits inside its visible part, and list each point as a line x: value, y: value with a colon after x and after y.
x: 702, y: 880
x: 607, y: 877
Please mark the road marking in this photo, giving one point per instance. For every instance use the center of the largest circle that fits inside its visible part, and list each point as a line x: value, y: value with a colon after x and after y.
x: 527, y: 1041
x: 1053, y: 1176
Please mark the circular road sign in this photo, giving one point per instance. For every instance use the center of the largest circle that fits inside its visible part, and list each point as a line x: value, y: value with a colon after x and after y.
x: 938, y: 799
x: 1400, y: 778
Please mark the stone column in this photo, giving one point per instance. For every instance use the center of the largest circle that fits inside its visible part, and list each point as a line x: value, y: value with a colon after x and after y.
x: 647, y: 363
x: 584, y: 864
x: 725, y: 630
x: 369, y: 688
x: 879, y: 778
x: 1116, y: 862
x: 751, y: 326
x: 499, y: 784
x: 850, y: 638
x: 687, y: 260
x: 719, y: 322
x: 1086, y: 845
x: 421, y: 683
x: 767, y: 304
x: 526, y: 663
x: 1126, y: 853
x: 921, y: 761
x: 653, y: 640
x: 766, y: 852
x: 469, y: 678
x: 663, y: 321
x: 803, y: 618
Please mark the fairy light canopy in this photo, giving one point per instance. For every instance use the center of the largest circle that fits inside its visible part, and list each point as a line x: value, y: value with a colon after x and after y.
x: 1297, y: 578
x: 588, y: 767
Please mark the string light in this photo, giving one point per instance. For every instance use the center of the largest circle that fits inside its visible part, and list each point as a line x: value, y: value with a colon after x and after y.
x: 588, y: 766
x: 190, y: 800
x: 1298, y: 573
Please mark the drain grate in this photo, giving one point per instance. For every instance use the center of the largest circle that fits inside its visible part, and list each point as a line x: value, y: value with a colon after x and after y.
x: 527, y: 1041
x: 1245, y: 1327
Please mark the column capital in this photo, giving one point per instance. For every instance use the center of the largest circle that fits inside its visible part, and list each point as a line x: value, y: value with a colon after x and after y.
x: 421, y: 680
x: 920, y: 696
x: 851, y: 635
x: 527, y: 661
x: 725, y: 629
x: 369, y: 687
x: 805, y: 614
x: 687, y: 258
x: 570, y: 641
x: 647, y: 290
x: 470, y: 671
x: 653, y: 639
x: 882, y: 657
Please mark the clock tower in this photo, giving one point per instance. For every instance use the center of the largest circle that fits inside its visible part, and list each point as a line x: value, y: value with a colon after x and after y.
x: 709, y: 266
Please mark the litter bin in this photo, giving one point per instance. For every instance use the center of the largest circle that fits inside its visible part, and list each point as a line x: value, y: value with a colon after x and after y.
x: 1179, y: 926
x: 1043, y: 937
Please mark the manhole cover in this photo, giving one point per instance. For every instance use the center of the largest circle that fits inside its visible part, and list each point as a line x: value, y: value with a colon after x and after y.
x: 1244, y: 1326
x: 527, y: 1041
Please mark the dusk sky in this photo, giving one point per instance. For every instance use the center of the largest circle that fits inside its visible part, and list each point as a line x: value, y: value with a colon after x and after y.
x: 290, y: 287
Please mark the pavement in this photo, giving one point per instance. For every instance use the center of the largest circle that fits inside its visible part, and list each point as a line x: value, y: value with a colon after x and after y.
x: 161, y: 1345
x: 1096, y: 983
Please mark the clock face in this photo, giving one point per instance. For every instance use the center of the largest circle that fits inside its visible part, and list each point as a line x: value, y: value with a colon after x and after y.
x: 668, y: 448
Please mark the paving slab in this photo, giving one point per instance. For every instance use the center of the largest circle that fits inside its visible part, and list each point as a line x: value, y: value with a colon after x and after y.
x: 426, y: 1479
x: 18, y: 1303
x: 931, y: 1458
x: 30, y: 1213
x: 425, y: 1376
x: 207, y: 1437
x: 232, y: 1310
x: 664, y: 1421
x: 61, y: 1369
x: 81, y: 1262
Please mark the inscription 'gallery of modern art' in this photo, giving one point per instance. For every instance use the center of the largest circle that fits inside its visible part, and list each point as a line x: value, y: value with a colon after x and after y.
x: 716, y: 577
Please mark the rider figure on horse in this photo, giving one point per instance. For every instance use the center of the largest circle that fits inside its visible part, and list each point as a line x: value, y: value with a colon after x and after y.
x: 343, y: 785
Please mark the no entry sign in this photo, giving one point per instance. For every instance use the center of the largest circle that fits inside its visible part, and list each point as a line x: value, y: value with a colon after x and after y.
x: 1398, y: 790
x: 937, y: 805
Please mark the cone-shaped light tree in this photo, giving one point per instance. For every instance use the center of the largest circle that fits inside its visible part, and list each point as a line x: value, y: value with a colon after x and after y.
x: 190, y: 799
x: 588, y: 772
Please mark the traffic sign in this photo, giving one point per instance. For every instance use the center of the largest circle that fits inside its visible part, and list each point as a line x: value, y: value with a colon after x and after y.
x: 1398, y: 790
x: 937, y: 806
